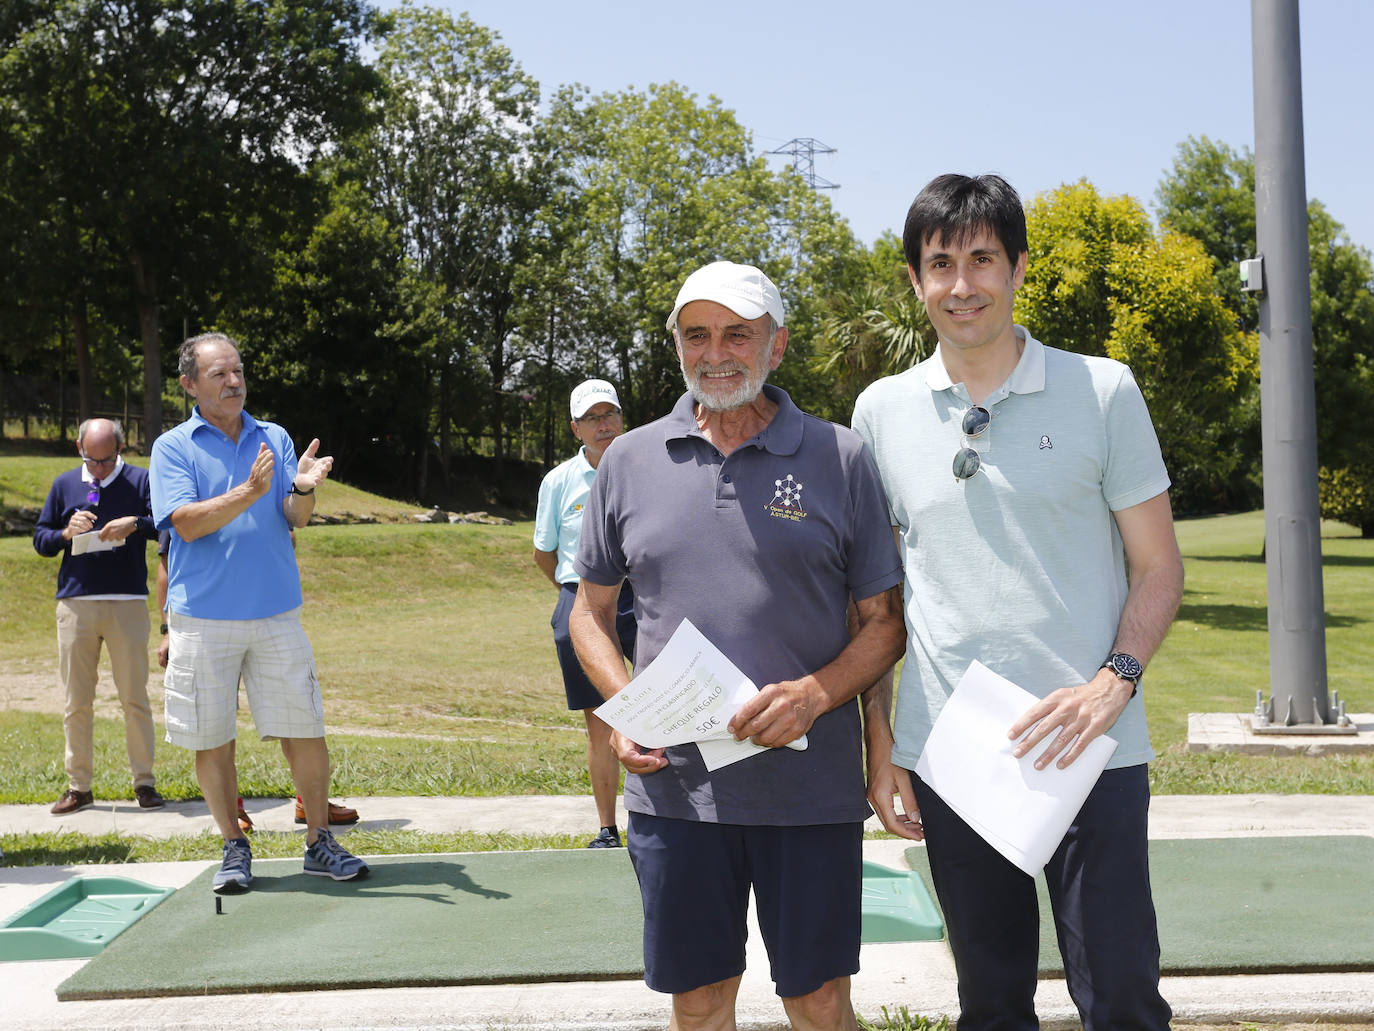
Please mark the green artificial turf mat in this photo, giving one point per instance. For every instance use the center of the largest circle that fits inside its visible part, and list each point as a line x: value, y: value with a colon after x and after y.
x: 476, y: 918
x: 496, y: 917
x: 1247, y: 905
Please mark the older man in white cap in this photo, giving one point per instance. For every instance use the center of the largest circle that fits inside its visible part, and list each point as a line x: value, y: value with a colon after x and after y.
x: 760, y: 524
x: 596, y: 422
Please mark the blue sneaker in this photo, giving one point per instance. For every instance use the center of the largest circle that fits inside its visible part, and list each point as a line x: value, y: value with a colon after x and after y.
x: 236, y: 872
x: 327, y: 858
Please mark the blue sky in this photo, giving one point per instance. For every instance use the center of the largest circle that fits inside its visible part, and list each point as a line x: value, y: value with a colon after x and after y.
x: 1041, y: 91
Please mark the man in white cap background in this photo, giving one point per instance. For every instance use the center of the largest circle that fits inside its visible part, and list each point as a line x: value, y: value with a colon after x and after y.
x: 758, y: 523
x: 596, y: 422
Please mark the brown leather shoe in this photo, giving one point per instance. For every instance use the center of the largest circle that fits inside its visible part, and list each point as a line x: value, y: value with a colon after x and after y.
x: 72, y: 801
x: 245, y: 821
x: 338, y: 814
x: 148, y: 797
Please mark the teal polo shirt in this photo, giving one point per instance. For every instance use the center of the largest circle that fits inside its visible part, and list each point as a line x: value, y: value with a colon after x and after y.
x: 558, y: 517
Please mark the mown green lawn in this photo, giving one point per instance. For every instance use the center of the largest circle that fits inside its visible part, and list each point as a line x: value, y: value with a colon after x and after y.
x: 433, y: 646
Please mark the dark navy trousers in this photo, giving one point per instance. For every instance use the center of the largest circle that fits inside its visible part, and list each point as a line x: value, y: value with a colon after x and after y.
x: 1099, y: 884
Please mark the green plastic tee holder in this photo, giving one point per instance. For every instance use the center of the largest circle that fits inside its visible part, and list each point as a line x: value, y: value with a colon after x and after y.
x: 897, y: 908
x: 77, y: 918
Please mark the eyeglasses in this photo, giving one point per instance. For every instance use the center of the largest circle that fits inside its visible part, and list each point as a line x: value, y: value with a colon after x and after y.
x: 598, y: 420
x: 968, y: 461
x: 99, y: 463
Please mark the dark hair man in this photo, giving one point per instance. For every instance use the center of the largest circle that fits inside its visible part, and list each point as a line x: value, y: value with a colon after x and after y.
x: 1019, y: 560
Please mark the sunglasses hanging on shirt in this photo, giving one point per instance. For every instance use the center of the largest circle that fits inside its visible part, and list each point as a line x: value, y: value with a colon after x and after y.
x: 967, y: 461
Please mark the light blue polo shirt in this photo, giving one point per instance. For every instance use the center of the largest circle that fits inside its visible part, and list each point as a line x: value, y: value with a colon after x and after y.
x: 247, y: 568
x: 1021, y: 566
x: 558, y: 517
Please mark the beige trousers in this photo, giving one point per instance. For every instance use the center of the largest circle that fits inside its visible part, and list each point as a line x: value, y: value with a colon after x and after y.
x: 123, y: 626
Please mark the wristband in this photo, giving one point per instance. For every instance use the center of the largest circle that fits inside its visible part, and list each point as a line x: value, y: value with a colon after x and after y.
x: 164, y: 629
x: 302, y: 493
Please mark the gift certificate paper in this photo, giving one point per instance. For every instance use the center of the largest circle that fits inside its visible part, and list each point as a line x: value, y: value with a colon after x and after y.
x: 688, y: 694
x: 1019, y: 810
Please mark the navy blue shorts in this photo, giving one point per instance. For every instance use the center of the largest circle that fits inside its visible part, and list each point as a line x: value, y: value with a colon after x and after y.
x: 581, y: 694
x: 694, y: 879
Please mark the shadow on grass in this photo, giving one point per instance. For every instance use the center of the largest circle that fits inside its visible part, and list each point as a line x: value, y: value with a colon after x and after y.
x: 1246, y: 617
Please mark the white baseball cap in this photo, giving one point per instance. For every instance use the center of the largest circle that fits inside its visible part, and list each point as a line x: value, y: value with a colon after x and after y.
x: 591, y: 392
x: 743, y: 289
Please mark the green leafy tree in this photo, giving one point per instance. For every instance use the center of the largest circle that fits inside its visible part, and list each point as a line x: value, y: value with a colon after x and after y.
x: 877, y: 329
x: 668, y: 184
x: 153, y: 122
x: 341, y: 328
x: 1209, y: 195
x: 448, y: 163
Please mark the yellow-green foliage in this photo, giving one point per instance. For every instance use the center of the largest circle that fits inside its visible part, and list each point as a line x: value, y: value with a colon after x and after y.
x: 1348, y: 495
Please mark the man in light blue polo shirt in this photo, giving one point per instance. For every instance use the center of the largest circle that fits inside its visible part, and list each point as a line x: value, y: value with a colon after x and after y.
x: 232, y: 488
x: 596, y: 422
x: 1021, y: 480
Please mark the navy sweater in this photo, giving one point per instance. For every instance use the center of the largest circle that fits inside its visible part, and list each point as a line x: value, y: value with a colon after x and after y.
x: 121, y: 571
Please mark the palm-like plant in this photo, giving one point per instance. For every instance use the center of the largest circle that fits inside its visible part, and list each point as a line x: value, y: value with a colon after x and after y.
x: 877, y: 330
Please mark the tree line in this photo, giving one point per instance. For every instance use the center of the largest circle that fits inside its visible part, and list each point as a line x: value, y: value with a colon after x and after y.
x: 421, y: 250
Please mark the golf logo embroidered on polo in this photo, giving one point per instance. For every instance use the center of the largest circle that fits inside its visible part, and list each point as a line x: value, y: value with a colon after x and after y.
x: 1045, y: 442
x: 786, y: 502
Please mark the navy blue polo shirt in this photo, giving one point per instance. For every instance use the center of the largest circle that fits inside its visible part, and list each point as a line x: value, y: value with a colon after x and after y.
x: 761, y: 549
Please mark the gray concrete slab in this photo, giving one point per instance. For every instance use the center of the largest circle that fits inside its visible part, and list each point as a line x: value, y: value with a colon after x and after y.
x: 1231, y: 732
x: 919, y: 976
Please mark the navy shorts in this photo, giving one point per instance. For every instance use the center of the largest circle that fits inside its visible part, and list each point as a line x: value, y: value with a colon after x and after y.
x: 694, y: 879
x: 581, y: 694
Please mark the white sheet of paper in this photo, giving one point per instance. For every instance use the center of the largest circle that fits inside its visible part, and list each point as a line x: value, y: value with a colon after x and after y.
x: 1019, y: 810
x: 687, y: 694
x: 90, y: 541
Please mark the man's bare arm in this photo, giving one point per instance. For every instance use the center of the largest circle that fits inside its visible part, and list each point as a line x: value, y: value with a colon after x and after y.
x: 783, y: 712
x: 547, y: 561
x: 1072, y: 716
x: 196, y: 519
x: 591, y: 625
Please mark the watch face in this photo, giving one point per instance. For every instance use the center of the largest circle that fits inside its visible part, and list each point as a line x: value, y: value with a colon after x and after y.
x: 1127, y: 666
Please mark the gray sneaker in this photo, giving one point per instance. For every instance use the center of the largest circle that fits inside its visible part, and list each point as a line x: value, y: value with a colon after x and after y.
x: 236, y: 871
x: 327, y: 858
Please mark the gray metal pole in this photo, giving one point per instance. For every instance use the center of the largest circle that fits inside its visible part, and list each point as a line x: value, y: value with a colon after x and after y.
x: 1292, y: 518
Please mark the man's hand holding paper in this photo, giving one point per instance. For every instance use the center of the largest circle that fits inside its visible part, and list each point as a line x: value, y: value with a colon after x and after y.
x: 1079, y: 714
x: 777, y: 715
x: 693, y: 693
x: 1018, y: 807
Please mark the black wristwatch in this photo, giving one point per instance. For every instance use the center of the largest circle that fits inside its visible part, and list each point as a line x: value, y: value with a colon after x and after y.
x: 1126, y: 667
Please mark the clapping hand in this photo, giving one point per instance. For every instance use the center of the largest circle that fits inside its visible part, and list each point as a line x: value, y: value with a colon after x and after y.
x: 311, y: 470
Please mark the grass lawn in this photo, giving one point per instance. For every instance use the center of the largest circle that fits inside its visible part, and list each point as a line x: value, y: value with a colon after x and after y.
x: 433, y: 646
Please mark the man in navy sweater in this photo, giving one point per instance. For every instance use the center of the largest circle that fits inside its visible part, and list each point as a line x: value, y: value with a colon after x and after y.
x: 98, y: 517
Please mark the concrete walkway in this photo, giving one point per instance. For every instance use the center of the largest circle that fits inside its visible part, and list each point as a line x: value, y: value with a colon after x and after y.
x: 918, y: 976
